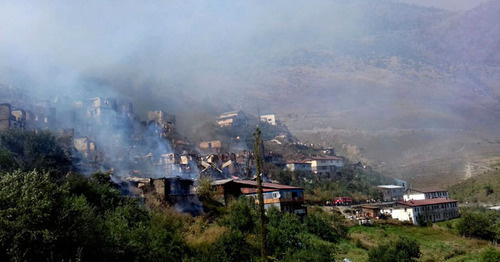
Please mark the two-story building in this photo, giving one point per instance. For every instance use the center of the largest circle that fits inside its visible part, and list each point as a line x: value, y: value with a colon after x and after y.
x: 432, y: 210
x: 298, y: 166
x: 391, y: 192
x: 326, y: 164
x: 285, y: 198
x: 424, y: 193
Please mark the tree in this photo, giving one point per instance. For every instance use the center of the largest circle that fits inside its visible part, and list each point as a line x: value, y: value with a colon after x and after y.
x: 33, y: 149
x: 403, y: 249
x: 476, y: 224
x: 262, y: 220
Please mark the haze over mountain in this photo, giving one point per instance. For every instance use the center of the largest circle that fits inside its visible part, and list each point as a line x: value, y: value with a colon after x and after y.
x: 414, y: 90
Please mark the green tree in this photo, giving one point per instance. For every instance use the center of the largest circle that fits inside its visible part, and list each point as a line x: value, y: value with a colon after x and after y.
x: 477, y: 224
x: 232, y: 246
x: 241, y: 215
x: 34, y: 149
x: 284, y: 230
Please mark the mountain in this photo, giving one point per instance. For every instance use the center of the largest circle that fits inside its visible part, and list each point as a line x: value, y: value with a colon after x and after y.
x: 412, y: 89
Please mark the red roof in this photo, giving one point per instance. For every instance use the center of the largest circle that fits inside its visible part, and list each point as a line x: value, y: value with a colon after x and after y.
x: 425, y: 202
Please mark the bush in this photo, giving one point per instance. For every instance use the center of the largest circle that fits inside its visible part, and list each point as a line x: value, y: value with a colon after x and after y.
x: 403, y: 249
x: 327, y: 226
x: 29, y: 150
x: 232, y: 246
x: 241, y: 215
x: 477, y: 224
x: 283, y: 232
x: 490, y: 254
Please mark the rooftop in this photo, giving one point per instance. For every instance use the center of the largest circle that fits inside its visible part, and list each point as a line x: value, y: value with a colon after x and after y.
x: 425, y: 202
x: 325, y: 158
x: 390, y: 186
x: 253, y: 183
x: 427, y: 190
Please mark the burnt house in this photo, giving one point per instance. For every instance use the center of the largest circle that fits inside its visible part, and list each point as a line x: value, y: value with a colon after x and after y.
x: 275, y: 158
x: 5, y: 116
x: 11, y: 117
x: 177, y: 192
x: 232, y: 119
x: 285, y: 198
x: 162, y: 122
x: 210, y: 147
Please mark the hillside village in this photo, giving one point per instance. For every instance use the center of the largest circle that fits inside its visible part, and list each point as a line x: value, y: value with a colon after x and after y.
x: 149, y: 155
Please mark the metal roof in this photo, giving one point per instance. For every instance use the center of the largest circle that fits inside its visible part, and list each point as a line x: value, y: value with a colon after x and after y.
x: 425, y: 202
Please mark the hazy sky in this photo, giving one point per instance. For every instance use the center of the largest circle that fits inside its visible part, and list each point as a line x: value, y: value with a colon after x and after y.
x: 161, y: 54
x: 453, y: 5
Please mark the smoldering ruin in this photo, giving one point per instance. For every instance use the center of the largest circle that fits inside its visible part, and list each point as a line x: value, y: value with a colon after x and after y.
x: 144, y: 155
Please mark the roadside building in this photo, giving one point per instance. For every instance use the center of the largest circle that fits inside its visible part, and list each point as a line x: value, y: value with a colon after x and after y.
x: 430, y: 210
x: 391, y: 192
x: 424, y: 193
x: 325, y: 164
x: 285, y: 198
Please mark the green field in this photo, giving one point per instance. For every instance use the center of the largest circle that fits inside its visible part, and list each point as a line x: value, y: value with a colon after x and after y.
x: 437, y: 243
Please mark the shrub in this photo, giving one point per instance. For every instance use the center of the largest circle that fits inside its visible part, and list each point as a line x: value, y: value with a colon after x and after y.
x: 232, y: 246
x: 490, y: 254
x: 476, y: 224
x: 403, y: 249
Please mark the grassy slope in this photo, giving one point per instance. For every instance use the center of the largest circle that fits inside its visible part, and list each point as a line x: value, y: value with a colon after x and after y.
x: 436, y: 243
x: 484, y: 189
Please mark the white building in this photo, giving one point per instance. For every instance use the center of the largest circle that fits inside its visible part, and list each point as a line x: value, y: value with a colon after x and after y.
x: 325, y: 164
x: 298, y: 166
x: 433, y: 210
x: 424, y: 193
x: 268, y: 118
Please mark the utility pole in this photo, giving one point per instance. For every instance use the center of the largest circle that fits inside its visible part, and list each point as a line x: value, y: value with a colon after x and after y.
x: 258, y: 163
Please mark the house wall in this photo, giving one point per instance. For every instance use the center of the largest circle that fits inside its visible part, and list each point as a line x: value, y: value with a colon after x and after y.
x: 319, y: 166
x: 392, y: 194
x: 408, y: 197
x: 402, y: 214
x: 5, y: 112
x: 434, y: 213
x: 270, y: 119
x: 299, y: 167
x: 290, y: 200
x: 225, y: 122
x: 438, y: 212
x: 429, y: 195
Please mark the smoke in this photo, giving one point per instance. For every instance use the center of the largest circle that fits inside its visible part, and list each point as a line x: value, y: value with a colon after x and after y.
x: 355, y: 64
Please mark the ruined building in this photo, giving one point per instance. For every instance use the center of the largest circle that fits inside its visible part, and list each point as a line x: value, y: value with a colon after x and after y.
x: 161, y: 121
x: 235, y: 118
x: 178, y: 192
x: 100, y: 109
